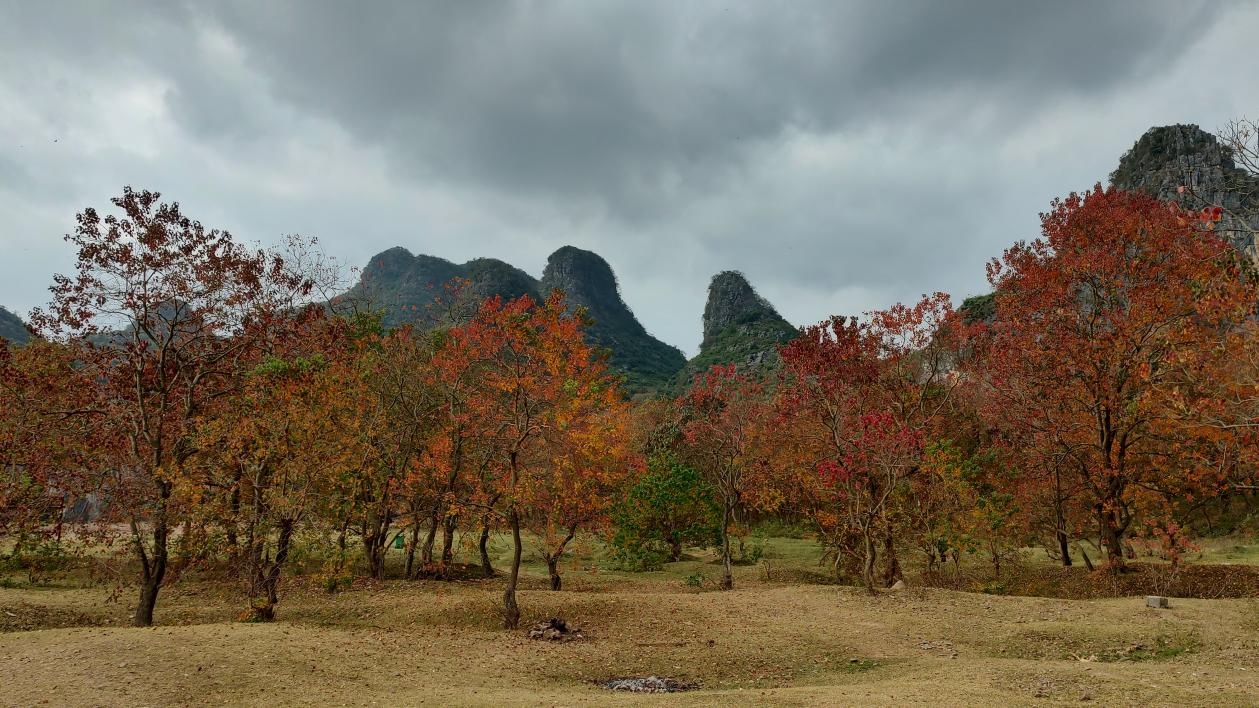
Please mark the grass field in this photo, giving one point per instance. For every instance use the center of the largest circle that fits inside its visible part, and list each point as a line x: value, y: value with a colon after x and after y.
x: 799, y: 641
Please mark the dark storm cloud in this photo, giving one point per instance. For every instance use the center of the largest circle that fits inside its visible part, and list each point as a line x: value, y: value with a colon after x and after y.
x: 639, y: 105
x: 844, y: 154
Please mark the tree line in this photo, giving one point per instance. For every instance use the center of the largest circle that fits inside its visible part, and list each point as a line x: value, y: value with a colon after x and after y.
x: 224, y: 408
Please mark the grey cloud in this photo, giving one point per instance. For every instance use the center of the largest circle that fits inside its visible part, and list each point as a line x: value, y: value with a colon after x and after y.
x: 637, y: 106
x: 665, y: 136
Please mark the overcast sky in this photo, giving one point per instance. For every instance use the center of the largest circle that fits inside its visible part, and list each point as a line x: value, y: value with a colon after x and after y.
x: 844, y: 155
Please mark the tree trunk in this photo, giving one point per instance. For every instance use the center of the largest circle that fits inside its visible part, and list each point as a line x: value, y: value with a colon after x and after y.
x: 448, y: 539
x: 1064, y: 547
x: 154, y: 568
x: 429, y: 541
x: 1088, y: 562
x: 511, y: 611
x: 412, y: 543
x: 267, y: 576
x: 553, y: 559
x: 375, y: 543
x: 342, y: 537
x: 892, y: 570
x: 1060, y: 519
x: 727, y: 574
x: 867, y: 572
x: 553, y: 567
x: 675, y: 549
x: 484, y: 547
x: 1112, y: 537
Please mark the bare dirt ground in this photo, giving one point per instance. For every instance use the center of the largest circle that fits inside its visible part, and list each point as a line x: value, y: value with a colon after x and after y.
x: 433, y: 643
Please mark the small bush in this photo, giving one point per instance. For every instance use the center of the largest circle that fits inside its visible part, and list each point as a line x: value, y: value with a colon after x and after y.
x: 41, y: 559
x: 696, y: 580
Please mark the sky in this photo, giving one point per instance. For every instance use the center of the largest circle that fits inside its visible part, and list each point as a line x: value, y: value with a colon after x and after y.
x: 843, y: 155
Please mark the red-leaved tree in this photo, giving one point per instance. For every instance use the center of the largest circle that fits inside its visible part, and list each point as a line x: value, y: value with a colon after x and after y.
x: 1099, y: 322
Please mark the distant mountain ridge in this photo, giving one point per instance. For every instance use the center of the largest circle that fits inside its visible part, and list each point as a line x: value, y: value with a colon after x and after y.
x: 405, y: 286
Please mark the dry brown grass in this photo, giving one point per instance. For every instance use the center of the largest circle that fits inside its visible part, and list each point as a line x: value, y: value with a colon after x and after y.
x: 769, y: 643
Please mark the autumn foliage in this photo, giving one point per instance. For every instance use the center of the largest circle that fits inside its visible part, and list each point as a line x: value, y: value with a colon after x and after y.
x: 222, y: 414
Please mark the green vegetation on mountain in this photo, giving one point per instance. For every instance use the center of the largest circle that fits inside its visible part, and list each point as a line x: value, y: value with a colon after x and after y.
x: 979, y: 308
x: 404, y: 287
x: 740, y: 328
x: 12, y: 328
x: 588, y: 281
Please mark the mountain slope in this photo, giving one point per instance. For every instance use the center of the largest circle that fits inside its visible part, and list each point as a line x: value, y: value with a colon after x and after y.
x: 12, y: 328
x: 588, y: 281
x: 404, y: 287
x: 740, y: 327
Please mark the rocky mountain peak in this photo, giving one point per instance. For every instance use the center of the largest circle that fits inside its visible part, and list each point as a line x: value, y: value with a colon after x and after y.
x: 583, y: 275
x: 588, y: 281
x: 731, y: 301
x: 740, y: 328
x: 1168, y: 157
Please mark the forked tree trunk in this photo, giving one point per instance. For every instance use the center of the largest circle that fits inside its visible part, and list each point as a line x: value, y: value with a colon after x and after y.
x: 375, y: 543
x: 1112, y: 537
x: 266, y: 590
x: 154, y: 566
x: 511, y: 611
x: 553, y: 559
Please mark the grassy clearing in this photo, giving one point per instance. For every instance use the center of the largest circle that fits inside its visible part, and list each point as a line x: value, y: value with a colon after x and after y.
x: 775, y: 640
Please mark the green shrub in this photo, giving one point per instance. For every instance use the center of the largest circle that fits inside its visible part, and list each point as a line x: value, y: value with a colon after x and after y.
x: 696, y: 580
x: 669, y: 508
x: 41, y: 559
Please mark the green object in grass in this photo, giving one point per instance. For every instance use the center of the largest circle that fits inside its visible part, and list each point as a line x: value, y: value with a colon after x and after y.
x: 398, y: 542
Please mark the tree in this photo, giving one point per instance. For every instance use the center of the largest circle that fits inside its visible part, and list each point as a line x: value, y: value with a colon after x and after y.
x: 724, y: 413
x: 176, y: 308
x: 402, y: 407
x: 272, y: 456
x: 1097, y: 323
x: 48, y: 434
x: 668, y: 508
x: 539, y: 384
x: 589, y: 468
x: 858, y: 403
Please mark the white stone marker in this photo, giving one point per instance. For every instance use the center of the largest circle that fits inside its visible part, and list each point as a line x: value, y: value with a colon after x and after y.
x: 1156, y: 601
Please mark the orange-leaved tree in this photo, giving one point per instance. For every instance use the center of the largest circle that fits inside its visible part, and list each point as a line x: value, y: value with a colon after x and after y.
x: 175, y: 309
x: 1098, y: 322
x: 270, y: 459
x: 538, y: 389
